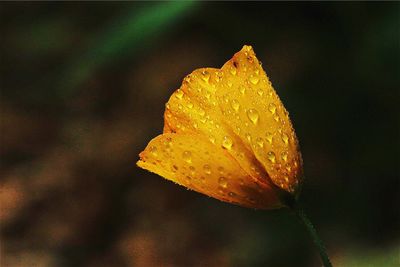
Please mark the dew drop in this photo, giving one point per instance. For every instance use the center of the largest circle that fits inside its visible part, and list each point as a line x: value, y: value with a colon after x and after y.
x: 231, y: 194
x: 235, y: 104
x: 201, y: 112
x: 153, y: 150
x: 272, y: 108
x: 271, y: 156
x: 248, y: 137
x: 187, y: 156
x: 190, y: 105
x: 288, y: 167
x: 212, y: 139
x: 269, y: 136
x: 205, y: 75
x: 253, y: 116
x: 192, y: 170
x: 223, y: 182
x: 242, y: 89
x: 260, y: 92
x: 207, y: 169
x: 233, y: 70
x: 174, y: 168
x: 180, y: 106
x: 286, y: 178
x: 229, y: 83
x: 276, y: 118
x: 254, y: 79
x: 179, y: 94
x: 284, y: 156
x: 221, y: 170
x: 285, y: 138
x: 227, y: 142
x: 260, y: 142
x: 168, y: 142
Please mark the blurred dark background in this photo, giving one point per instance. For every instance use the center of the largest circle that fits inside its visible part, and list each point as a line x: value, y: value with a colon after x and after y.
x: 83, y: 88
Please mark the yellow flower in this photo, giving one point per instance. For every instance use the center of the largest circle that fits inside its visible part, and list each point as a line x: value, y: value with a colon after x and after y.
x: 227, y: 135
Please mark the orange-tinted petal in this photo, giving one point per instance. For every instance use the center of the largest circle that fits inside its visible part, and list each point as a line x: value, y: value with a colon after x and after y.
x: 234, y: 116
x: 251, y: 106
x: 194, y: 108
x: 194, y: 162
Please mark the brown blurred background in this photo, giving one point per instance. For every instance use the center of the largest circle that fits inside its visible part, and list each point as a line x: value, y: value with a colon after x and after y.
x: 83, y: 87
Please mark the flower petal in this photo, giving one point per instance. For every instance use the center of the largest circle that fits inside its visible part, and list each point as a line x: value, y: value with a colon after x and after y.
x: 194, y: 108
x: 193, y: 161
x: 253, y: 109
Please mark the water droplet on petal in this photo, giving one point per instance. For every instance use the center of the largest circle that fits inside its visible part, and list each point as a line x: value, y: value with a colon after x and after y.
x: 207, y: 169
x: 235, y: 104
x: 242, y: 89
x: 192, y: 170
x: 253, y: 116
x: 269, y: 136
x: 187, y: 156
x: 179, y: 94
x: 227, y: 142
x: 201, y: 112
x: 286, y: 178
x: 205, y: 75
x: 223, y: 182
x: 254, y: 79
x: 288, y: 167
x: 285, y: 138
x: 233, y: 70
x: 276, y: 118
x: 190, y: 105
x: 231, y: 194
x: 271, y: 156
x: 284, y: 155
x: 174, y: 168
x: 248, y: 136
x: 272, y: 108
x: 260, y: 142
x: 153, y: 150
x: 212, y: 139
x: 260, y: 92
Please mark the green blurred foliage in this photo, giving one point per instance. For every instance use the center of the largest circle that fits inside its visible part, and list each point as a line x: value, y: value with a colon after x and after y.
x: 83, y: 88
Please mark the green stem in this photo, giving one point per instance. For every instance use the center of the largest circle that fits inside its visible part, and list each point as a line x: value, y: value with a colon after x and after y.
x: 313, y: 233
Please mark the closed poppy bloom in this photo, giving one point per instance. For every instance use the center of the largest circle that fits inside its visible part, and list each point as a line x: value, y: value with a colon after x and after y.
x: 227, y: 135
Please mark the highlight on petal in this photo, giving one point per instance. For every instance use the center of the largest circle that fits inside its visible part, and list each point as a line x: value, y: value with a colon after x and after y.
x: 229, y: 118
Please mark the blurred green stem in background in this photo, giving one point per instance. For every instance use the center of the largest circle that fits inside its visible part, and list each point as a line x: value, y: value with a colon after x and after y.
x: 125, y: 35
x: 313, y: 233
